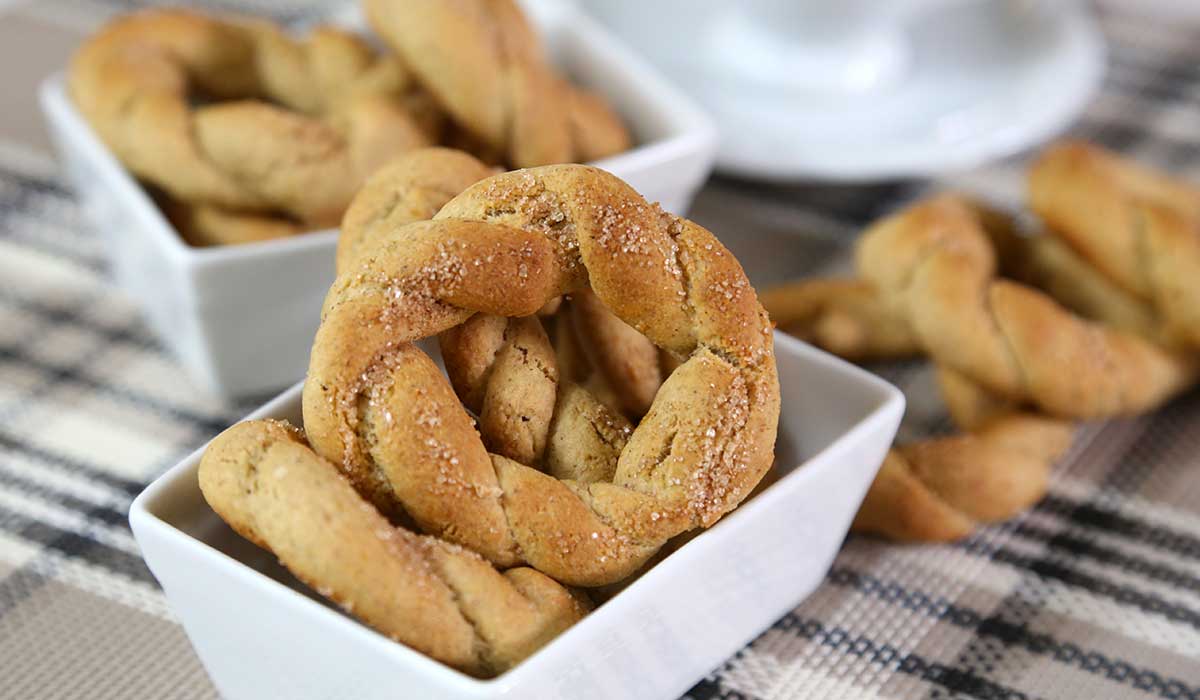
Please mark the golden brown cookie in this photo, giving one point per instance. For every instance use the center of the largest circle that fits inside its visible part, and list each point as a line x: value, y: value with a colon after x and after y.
x: 235, y: 114
x: 204, y: 225
x: 412, y: 187
x: 1137, y: 227
x: 935, y: 265
x: 930, y: 285
x: 844, y: 316
x: 484, y: 64
x: 628, y: 360
x: 508, y: 245
x: 940, y: 489
x: 438, y: 598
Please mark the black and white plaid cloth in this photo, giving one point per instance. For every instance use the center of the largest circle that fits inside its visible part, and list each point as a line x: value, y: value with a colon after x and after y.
x: 1095, y: 593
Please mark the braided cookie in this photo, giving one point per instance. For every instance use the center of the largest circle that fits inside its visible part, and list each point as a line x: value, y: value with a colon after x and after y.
x: 438, y: 598
x: 1137, y: 227
x: 485, y: 65
x: 624, y: 359
x: 507, y: 372
x: 204, y: 224
x: 940, y: 489
x: 847, y: 317
x: 1049, y: 264
x: 935, y: 263
x: 939, y: 257
x: 137, y: 79
x: 380, y: 408
x: 413, y: 187
x: 615, y: 363
x: 504, y: 371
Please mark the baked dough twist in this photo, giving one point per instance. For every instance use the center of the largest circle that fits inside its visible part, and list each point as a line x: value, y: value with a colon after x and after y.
x: 627, y: 362
x: 935, y: 263
x: 936, y: 489
x: 204, y: 224
x: 136, y: 79
x: 940, y: 489
x: 436, y: 597
x: 1136, y: 226
x: 379, y: 407
x: 490, y: 370
x: 845, y: 316
x: 413, y: 187
x: 485, y: 65
x: 506, y: 372
x: 849, y: 318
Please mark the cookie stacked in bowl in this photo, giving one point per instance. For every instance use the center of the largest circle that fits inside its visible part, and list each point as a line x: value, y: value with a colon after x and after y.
x: 182, y: 132
x: 532, y: 476
x: 245, y: 133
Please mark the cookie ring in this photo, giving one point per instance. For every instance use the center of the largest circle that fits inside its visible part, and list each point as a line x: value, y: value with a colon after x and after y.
x: 505, y: 247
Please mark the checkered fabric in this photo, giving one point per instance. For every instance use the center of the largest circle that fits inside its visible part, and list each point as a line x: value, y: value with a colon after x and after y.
x: 1095, y: 593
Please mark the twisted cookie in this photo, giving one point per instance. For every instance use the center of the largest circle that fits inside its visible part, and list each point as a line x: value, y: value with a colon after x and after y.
x: 1137, y: 227
x: 504, y: 370
x: 379, y: 407
x: 623, y: 359
x: 936, y: 265
x: 485, y: 66
x: 929, y: 287
x: 493, y: 363
x: 413, y: 187
x: 136, y: 80
x: 436, y: 597
x: 571, y: 423
x: 940, y: 489
x: 847, y: 317
x: 850, y: 318
x: 1047, y: 263
x: 204, y: 224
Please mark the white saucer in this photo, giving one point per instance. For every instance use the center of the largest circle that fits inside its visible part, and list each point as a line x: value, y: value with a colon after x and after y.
x: 978, y: 81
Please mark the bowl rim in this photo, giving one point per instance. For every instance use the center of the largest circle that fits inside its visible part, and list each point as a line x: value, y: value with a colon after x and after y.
x: 889, y: 405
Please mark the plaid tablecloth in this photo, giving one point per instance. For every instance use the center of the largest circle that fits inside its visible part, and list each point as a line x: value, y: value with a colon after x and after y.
x: 1093, y: 594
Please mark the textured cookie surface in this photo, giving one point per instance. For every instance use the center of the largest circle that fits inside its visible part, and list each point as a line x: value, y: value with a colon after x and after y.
x: 438, y: 598
x: 504, y: 249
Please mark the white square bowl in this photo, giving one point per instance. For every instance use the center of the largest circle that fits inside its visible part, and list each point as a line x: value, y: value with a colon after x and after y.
x: 241, y: 318
x: 261, y: 634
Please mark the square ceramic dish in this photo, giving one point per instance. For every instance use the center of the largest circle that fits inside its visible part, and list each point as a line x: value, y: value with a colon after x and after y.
x: 241, y: 318
x: 261, y: 634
